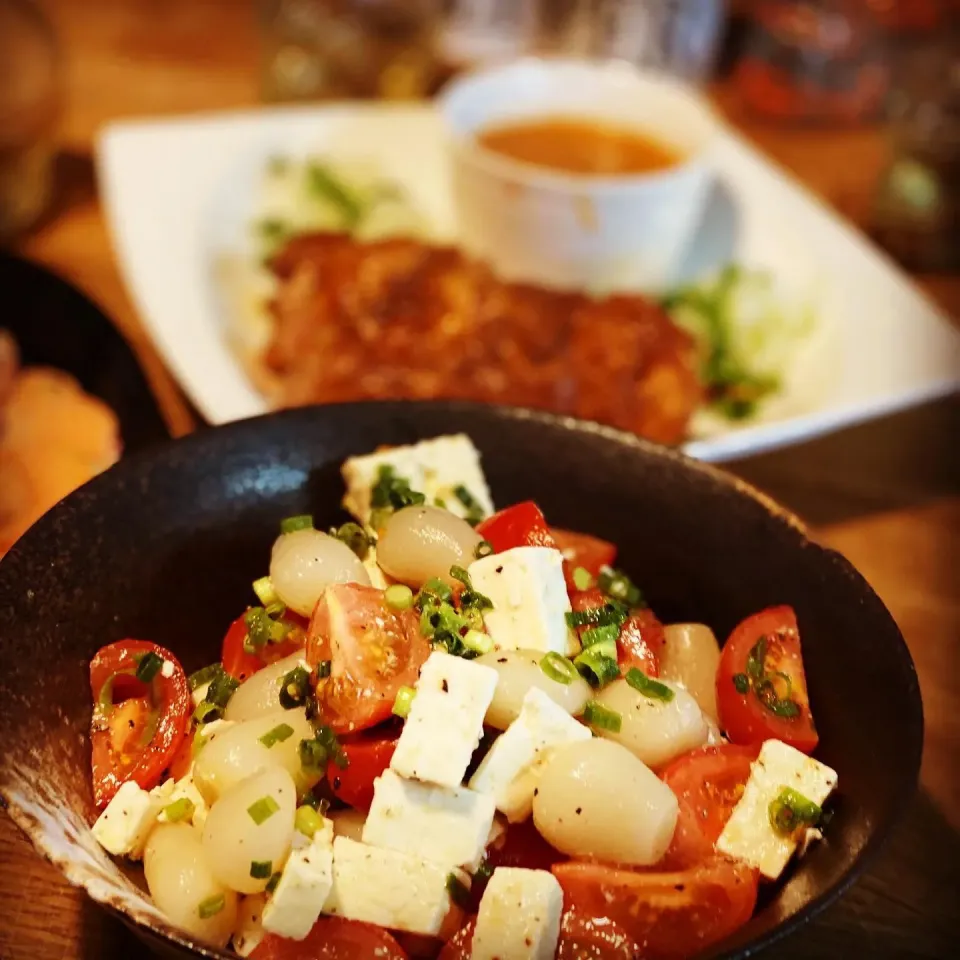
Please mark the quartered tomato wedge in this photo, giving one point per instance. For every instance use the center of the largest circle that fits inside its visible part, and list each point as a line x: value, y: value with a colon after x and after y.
x: 583, y: 550
x: 641, y: 639
x: 183, y: 759
x: 522, y: 525
x: 373, y: 652
x: 708, y: 784
x: 136, y: 738
x: 761, y: 684
x: 460, y: 945
x: 670, y: 914
x: 368, y: 755
x: 242, y: 665
x: 332, y: 938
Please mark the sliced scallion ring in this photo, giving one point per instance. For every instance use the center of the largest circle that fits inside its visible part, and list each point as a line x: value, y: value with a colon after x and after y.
x: 403, y: 702
x: 558, y: 668
x: 653, y: 689
x: 263, y: 588
x: 603, y: 717
x: 293, y: 524
x: 792, y: 810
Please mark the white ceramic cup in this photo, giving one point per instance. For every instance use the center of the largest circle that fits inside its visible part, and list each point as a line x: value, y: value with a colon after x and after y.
x: 599, y: 233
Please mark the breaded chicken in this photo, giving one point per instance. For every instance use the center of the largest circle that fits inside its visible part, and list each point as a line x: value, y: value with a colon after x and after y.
x: 398, y: 318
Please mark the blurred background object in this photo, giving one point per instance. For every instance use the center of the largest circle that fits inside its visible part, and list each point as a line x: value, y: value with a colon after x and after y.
x: 917, y: 209
x: 343, y: 49
x: 29, y: 107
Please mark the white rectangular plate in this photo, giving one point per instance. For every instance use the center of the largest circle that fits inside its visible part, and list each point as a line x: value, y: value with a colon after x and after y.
x: 180, y: 194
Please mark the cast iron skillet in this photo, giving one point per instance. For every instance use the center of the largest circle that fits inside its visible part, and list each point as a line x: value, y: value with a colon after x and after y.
x: 165, y: 546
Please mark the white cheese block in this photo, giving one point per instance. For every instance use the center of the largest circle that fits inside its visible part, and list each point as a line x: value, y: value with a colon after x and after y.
x: 445, y: 722
x: 389, y: 888
x: 305, y: 884
x: 184, y: 788
x: 749, y: 835
x: 447, y: 825
x: 510, y: 771
x: 530, y: 600
x: 125, y: 824
x: 519, y: 916
x: 249, y: 929
x: 432, y: 467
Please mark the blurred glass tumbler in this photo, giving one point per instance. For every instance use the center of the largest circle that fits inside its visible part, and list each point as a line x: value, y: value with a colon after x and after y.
x: 29, y: 108
x: 343, y: 49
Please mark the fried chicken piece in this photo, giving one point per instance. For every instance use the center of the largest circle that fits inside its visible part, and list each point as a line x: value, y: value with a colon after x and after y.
x: 398, y: 318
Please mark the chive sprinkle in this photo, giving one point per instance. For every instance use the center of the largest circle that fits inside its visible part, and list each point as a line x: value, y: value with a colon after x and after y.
x: 148, y: 666
x: 204, y: 675
x: 281, y: 732
x: 294, y: 688
x: 603, y: 717
x: 263, y: 809
x: 792, y: 810
x: 596, y: 668
x: 484, y: 549
x: 582, y: 579
x: 600, y: 635
x: 403, y: 702
x: 459, y: 892
x: 263, y: 588
x: 272, y: 882
x: 558, y: 668
x: 211, y: 906
x: 261, y: 869
x: 398, y: 596
x: 181, y: 809
x: 307, y: 821
x: 652, y: 689
x: 293, y: 524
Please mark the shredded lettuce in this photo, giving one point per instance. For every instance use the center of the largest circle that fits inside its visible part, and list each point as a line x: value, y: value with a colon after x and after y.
x: 745, y: 333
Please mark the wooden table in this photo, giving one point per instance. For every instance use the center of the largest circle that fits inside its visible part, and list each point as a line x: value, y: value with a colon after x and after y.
x: 887, y: 494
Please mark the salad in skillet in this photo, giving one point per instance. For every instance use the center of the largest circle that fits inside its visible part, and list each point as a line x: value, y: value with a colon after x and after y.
x: 449, y: 731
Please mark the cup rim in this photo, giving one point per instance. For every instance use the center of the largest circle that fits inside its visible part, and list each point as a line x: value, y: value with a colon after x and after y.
x: 465, y: 146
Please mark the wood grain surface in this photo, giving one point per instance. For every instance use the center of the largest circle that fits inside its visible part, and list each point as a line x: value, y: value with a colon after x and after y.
x: 887, y: 494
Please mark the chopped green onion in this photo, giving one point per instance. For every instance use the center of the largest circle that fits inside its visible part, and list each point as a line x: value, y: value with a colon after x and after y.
x: 604, y: 648
x: 558, y: 668
x: 459, y: 892
x: 478, y: 641
x: 398, y: 596
x: 756, y: 659
x: 792, y: 810
x: 263, y: 588
x: 105, y: 698
x: 292, y: 524
x: 391, y: 492
x: 307, y: 821
x: 484, y: 871
x: 259, y: 629
x: 649, y: 688
x: 355, y: 537
x: 181, y: 809
x: 403, y: 702
x: 618, y: 585
x: 484, y: 549
x: 764, y: 683
x: 207, y: 711
x: 222, y: 688
x: 274, y: 610
x: 582, y: 579
x: 597, y: 669
x: 475, y: 512
x: 273, y: 882
x: 204, y: 675
x: 263, y: 809
x: 323, y: 669
x: 603, y: 717
x: 595, y: 635
x: 281, y: 732
x: 148, y: 666
x: 741, y: 682
x: 435, y: 591
x: 294, y: 688
x: 261, y: 869
x: 272, y: 228
x: 458, y: 573
x: 316, y: 754
x: 211, y: 906
x: 612, y: 612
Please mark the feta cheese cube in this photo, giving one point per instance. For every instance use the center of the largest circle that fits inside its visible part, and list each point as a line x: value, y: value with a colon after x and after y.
x: 519, y: 916
x: 389, y: 888
x: 749, y: 835
x: 434, y: 467
x: 530, y: 600
x: 510, y: 771
x: 249, y: 929
x: 448, y: 826
x: 123, y: 828
x: 445, y: 721
x: 305, y: 884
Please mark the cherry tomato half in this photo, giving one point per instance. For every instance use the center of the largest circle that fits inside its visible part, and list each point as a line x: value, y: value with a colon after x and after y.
x: 369, y: 755
x: 583, y: 550
x: 242, y: 665
x: 159, y: 717
x: 332, y: 938
x: 522, y: 525
x: 759, y: 699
